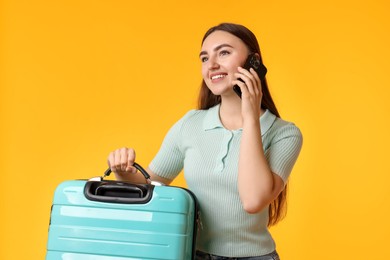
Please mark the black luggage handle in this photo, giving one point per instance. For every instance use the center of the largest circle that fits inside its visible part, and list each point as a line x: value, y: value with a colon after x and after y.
x: 137, y: 166
x: 119, y: 191
x: 116, y: 190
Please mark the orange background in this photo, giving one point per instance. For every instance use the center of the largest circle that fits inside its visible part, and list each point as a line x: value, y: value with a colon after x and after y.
x: 82, y: 78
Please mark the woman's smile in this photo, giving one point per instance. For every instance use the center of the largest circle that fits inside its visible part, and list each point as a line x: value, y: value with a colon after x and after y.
x: 216, y: 77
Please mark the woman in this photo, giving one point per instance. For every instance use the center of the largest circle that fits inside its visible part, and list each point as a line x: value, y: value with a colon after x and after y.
x: 237, y: 154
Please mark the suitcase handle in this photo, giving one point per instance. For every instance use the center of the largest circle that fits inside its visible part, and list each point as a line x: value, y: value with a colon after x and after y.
x: 137, y: 166
x: 118, y: 192
x: 124, y: 191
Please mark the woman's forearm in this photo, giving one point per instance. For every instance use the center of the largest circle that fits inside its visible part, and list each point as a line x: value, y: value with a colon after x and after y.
x: 255, y: 178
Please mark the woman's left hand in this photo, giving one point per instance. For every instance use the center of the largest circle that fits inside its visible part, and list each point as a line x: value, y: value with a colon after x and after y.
x: 251, y: 93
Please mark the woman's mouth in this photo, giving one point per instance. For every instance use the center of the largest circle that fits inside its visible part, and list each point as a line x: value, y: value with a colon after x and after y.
x: 218, y: 76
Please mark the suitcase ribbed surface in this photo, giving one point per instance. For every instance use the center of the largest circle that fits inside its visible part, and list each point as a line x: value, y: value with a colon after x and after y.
x: 84, y: 229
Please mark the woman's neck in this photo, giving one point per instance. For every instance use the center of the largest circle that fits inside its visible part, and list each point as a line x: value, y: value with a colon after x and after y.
x: 230, y: 113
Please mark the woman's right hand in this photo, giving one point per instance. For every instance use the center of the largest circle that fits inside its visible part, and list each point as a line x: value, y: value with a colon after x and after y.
x: 121, y: 161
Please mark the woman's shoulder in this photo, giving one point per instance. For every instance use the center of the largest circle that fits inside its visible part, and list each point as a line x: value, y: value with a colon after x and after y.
x: 191, y: 118
x: 285, y: 128
x: 193, y: 114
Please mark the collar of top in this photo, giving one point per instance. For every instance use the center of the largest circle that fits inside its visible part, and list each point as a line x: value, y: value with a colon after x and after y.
x: 212, y: 120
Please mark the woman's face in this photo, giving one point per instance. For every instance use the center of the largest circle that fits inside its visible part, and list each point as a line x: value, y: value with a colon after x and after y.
x: 221, y: 54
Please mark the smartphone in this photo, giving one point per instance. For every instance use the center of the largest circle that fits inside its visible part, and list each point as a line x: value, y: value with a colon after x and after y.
x: 252, y: 62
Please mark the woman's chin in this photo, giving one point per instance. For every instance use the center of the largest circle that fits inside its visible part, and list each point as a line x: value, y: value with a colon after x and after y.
x: 221, y: 91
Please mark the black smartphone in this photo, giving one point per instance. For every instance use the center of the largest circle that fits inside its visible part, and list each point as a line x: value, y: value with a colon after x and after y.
x: 252, y: 62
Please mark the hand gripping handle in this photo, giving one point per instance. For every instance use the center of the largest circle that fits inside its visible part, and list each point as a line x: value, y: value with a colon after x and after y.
x: 137, y: 166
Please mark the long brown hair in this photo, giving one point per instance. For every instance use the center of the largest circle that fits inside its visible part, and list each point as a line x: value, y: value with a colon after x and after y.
x: 277, y: 208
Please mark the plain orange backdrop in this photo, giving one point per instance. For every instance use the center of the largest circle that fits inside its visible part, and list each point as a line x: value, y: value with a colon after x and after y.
x: 82, y: 78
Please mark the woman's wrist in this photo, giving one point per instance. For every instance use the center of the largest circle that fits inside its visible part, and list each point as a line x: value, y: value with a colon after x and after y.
x: 251, y: 122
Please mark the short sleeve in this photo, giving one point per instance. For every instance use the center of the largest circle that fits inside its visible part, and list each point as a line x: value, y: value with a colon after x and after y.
x: 284, y: 150
x: 169, y: 160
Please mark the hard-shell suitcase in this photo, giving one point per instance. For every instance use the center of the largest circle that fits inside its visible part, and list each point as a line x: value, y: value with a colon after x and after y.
x: 102, y: 219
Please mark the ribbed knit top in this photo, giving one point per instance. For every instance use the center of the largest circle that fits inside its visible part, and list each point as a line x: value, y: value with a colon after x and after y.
x: 208, y: 153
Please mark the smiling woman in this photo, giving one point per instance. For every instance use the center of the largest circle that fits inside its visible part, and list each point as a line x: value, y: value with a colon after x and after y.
x: 237, y: 154
x: 76, y: 82
x: 222, y: 53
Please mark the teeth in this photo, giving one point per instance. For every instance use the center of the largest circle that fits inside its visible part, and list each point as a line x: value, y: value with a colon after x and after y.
x: 218, y: 76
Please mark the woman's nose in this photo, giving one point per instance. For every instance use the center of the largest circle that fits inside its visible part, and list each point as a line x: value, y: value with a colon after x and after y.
x: 213, y: 63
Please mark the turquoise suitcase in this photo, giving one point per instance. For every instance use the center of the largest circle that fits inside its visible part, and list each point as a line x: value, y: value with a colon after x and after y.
x: 113, y: 220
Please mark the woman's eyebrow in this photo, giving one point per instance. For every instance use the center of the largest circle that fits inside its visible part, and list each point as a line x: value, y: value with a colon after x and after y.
x: 216, y: 48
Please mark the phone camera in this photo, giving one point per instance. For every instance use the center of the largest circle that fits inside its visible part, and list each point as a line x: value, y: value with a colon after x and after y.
x: 255, y: 63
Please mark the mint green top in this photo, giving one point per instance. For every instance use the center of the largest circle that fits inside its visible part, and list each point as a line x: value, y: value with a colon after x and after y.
x: 208, y: 153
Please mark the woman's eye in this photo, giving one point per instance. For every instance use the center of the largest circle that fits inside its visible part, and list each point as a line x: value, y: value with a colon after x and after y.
x: 223, y: 53
x: 203, y: 59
